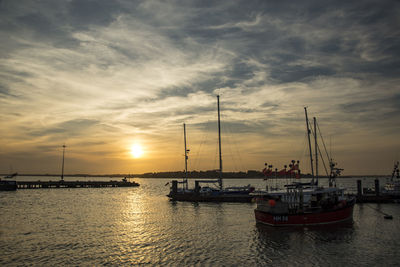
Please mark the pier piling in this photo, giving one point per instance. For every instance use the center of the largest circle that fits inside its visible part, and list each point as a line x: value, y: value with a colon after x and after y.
x: 377, y: 187
x: 359, y: 189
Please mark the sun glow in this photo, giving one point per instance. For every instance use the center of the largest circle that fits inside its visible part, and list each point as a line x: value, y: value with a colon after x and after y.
x: 136, y: 151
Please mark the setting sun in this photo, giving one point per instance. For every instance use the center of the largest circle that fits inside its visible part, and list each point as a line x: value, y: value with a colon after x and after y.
x: 136, y: 151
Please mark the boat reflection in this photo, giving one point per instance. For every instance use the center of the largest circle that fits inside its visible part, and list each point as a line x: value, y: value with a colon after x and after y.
x: 275, y: 244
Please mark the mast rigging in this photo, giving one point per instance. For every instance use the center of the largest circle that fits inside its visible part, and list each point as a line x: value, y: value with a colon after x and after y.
x: 309, y: 145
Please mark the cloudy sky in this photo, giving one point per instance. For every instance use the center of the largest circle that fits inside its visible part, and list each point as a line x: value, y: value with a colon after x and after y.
x: 101, y: 76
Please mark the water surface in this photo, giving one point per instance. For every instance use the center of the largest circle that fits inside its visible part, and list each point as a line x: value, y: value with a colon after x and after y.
x: 140, y: 226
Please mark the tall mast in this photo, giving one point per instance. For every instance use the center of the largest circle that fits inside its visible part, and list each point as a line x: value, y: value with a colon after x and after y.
x: 62, y: 168
x: 309, y: 145
x: 316, y: 149
x: 219, y: 143
x: 186, y: 156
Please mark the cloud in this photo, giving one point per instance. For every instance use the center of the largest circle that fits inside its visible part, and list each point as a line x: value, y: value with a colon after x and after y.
x: 382, y: 112
x: 68, y: 128
x: 103, y: 73
x: 4, y: 91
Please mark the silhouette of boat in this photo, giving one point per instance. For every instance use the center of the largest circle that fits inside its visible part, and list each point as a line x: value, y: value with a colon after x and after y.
x: 393, y: 187
x: 8, y: 185
x: 207, y: 193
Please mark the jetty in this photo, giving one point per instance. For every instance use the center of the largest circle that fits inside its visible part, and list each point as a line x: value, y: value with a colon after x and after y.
x: 65, y: 184
x: 74, y: 184
x: 366, y: 195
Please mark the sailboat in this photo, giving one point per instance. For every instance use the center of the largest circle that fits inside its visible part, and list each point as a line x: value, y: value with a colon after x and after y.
x: 306, y: 203
x: 209, y: 194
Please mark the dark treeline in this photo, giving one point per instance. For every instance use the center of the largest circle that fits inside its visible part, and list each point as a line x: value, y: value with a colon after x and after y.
x: 191, y: 174
x: 172, y: 174
x: 203, y: 174
x: 215, y: 174
x: 211, y: 174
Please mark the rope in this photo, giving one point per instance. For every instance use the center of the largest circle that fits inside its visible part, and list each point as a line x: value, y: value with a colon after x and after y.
x: 196, y: 156
x: 314, y: 133
x: 228, y: 135
x: 323, y: 142
x: 386, y: 215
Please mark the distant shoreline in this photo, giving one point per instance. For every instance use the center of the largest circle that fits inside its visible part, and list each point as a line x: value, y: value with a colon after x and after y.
x: 198, y: 175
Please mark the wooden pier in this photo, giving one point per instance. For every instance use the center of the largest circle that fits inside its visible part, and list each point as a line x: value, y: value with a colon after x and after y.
x: 374, y: 196
x: 73, y: 184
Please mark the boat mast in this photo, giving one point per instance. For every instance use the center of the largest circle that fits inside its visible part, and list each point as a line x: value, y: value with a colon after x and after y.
x: 62, y: 168
x: 219, y: 144
x: 309, y: 145
x: 316, y: 149
x: 186, y: 156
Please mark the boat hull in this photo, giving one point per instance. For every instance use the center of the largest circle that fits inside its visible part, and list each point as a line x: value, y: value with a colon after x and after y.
x: 314, y: 218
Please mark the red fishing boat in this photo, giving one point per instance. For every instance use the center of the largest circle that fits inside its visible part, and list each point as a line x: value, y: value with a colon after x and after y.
x: 305, y: 203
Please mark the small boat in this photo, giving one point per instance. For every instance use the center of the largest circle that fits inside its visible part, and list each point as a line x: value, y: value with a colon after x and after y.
x: 306, y: 203
x: 207, y: 193
x: 11, y: 175
x: 8, y: 185
x: 393, y: 187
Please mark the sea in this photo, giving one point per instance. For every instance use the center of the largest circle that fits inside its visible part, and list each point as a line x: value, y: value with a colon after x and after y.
x: 139, y: 226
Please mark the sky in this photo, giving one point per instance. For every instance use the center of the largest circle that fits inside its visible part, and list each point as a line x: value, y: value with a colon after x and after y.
x: 102, y: 76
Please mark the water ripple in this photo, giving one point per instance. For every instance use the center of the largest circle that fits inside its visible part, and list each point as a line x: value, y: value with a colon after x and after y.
x: 139, y: 226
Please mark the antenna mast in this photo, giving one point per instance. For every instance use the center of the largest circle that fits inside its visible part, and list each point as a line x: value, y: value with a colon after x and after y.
x: 62, y: 168
x: 219, y: 143
x: 316, y: 149
x: 186, y: 156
